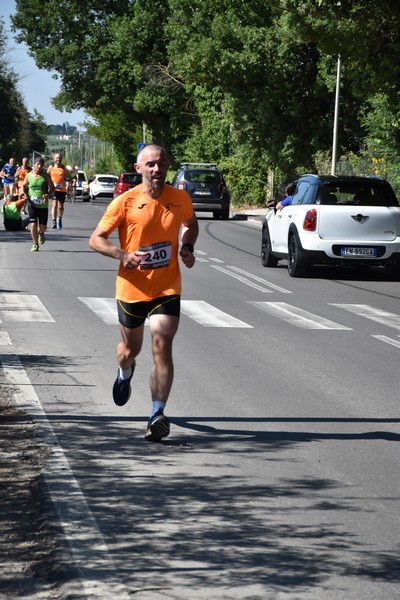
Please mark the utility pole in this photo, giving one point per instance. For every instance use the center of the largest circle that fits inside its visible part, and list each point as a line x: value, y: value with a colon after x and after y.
x: 336, y: 118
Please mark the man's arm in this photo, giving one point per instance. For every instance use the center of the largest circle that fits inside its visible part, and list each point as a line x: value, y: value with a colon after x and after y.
x: 99, y: 241
x: 190, y: 231
x: 67, y: 175
x: 50, y: 184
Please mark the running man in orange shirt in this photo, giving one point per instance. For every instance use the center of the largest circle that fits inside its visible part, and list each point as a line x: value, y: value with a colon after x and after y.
x: 149, y: 219
x: 61, y: 179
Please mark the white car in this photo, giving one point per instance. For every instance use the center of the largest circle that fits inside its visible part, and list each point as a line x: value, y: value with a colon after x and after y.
x: 82, y: 187
x: 334, y: 220
x: 102, y: 185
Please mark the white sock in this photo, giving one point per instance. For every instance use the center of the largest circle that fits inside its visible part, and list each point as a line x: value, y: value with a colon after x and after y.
x: 155, y: 406
x: 124, y: 374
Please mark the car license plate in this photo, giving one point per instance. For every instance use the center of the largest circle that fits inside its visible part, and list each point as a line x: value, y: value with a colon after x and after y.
x: 358, y: 252
x: 203, y: 192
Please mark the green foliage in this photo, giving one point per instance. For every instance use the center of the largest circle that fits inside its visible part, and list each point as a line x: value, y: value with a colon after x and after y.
x: 249, y: 85
x: 20, y: 132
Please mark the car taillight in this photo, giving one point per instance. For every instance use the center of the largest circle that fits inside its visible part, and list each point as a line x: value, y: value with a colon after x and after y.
x: 222, y: 187
x: 310, y: 220
x: 181, y: 185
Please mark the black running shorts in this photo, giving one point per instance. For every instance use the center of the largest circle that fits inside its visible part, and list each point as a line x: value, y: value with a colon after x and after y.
x: 60, y: 196
x: 38, y: 214
x: 134, y: 314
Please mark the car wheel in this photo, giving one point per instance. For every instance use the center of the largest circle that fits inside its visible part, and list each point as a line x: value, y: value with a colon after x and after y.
x: 267, y: 259
x: 216, y: 214
x: 296, y: 263
x: 393, y: 270
x: 224, y: 214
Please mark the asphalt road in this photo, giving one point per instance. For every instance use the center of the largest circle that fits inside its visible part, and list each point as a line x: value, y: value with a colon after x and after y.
x: 280, y: 478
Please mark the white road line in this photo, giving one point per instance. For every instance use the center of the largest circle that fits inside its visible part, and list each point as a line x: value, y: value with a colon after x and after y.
x: 374, y: 314
x: 209, y: 316
x: 4, y: 339
x: 104, y: 308
x: 388, y: 340
x: 297, y: 316
x: 97, y: 571
x: 242, y: 279
x: 23, y: 307
x: 275, y: 287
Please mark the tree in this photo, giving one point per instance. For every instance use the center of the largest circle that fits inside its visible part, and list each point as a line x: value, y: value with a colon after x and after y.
x: 248, y: 84
x: 20, y: 132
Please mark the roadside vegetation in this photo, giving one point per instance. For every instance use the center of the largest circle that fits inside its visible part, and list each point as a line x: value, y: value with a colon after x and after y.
x: 248, y: 85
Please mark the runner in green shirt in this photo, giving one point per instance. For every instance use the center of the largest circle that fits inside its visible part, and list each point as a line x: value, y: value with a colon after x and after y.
x: 38, y: 185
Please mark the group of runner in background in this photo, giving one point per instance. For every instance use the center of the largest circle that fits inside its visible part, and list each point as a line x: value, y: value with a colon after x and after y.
x: 28, y: 191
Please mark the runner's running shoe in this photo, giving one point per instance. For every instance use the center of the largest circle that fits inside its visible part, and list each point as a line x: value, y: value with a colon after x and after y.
x: 42, y: 238
x: 35, y: 248
x: 54, y: 226
x: 158, y: 427
x: 122, y: 390
x: 59, y: 223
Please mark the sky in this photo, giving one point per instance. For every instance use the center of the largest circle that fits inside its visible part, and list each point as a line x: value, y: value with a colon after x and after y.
x: 36, y: 85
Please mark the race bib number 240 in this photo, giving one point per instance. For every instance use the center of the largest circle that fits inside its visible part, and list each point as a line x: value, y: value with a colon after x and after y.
x: 156, y: 256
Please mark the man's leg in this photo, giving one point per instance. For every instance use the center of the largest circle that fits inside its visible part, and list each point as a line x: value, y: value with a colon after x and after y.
x: 129, y: 346
x: 35, y: 234
x: 54, y: 213
x: 127, y: 351
x: 163, y: 329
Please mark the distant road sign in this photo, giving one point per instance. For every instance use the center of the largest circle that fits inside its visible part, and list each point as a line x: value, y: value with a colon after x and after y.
x: 141, y: 145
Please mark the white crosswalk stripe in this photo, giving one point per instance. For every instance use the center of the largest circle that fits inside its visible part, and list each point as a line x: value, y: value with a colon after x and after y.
x: 4, y: 339
x: 29, y: 308
x: 388, y: 340
x: 374, y: 314
x: 203, y: 313
x: 23, y: 307
x: 209, y: 316
x: 253, y: 281
x: 104, y: 308
x: 297, y: 316
x: 268, y: 284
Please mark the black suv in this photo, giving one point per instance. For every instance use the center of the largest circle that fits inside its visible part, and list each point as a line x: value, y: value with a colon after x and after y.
x: 206, y: 186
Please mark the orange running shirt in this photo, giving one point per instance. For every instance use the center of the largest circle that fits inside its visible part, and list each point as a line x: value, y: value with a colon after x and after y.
x: 22, y: 173
x: 153, y: 227
x: 58, y: 177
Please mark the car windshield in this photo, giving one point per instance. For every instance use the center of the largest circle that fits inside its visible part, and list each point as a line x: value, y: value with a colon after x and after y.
x: 131, y: 178
x: 365, y: 193
x: 81, y: 177
x: 201, y: 176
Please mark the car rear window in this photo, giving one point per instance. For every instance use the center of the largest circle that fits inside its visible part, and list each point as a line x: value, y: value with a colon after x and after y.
x: 202, y: 176
x: 131, y: 178
x: 373, y: 193
x: 107, y: 179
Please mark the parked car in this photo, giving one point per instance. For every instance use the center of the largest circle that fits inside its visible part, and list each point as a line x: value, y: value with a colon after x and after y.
x: 102, y: 185
x: 126, y: 181
x: 206, y: 186
x: 82, y: 187
x: 334, y: 220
